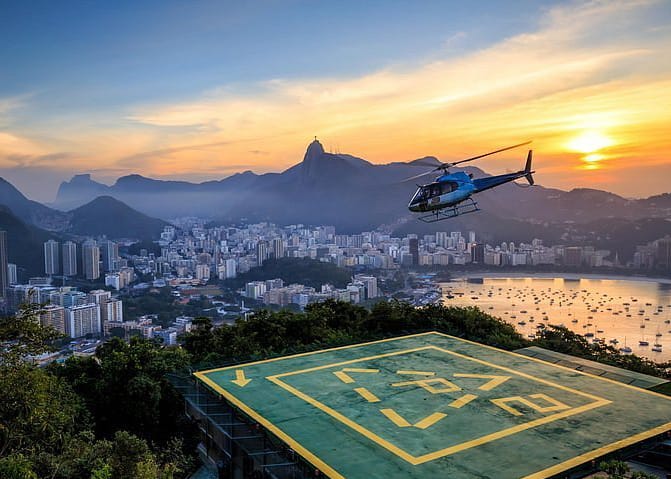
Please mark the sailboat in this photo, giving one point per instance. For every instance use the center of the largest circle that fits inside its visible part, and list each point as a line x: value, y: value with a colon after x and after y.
x: 626, y: 349
x: 643, y: 342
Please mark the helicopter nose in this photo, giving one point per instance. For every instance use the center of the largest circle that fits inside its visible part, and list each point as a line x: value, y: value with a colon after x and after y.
x: 415, y: 207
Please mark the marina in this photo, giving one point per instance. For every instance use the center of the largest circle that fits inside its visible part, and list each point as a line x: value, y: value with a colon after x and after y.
x: 633, y: 316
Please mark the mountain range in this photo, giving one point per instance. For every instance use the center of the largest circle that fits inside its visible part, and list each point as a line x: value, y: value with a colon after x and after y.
x: 346, y: 191
x: 353, y: 195
x: 29, y: 224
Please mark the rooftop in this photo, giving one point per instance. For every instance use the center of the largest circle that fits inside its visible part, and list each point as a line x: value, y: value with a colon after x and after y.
x: 432, y: 405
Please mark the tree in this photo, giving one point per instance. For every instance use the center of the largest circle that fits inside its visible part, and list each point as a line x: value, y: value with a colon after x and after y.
x: 47, y: 415
x: 16, y: 467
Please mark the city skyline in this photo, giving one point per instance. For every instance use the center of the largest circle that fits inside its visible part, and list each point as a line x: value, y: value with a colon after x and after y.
x: 201, y: 93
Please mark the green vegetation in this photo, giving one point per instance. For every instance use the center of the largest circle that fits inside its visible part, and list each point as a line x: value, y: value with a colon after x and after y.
x: 620, y: 470
x: 116, y: 416
x: 305, y: 271
x: 109, y: 417
x: 563, y: 340
x: 159, y: 301
x: 333, y: 323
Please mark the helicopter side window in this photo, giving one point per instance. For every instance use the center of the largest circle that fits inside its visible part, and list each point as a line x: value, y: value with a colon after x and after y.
x: 448, y: 187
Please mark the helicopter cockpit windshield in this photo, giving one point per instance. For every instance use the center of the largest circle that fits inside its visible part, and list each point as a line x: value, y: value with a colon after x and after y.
x: 432, y: 190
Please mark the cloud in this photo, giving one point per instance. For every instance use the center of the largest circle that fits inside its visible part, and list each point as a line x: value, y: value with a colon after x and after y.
x: 593, y: 65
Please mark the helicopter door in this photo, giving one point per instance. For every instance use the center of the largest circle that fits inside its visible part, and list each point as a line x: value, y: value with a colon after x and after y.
x: 448, y: 187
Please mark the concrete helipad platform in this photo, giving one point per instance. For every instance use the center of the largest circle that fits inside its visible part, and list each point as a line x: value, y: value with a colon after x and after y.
x: 432, y: 405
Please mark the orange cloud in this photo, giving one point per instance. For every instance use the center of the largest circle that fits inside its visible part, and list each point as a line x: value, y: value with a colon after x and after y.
x: 591, y: 69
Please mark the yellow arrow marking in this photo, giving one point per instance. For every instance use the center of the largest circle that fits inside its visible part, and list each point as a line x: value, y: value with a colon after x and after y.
x: 346, y: 378
x: 367, y: 395
x: 462, y: 401
x: 400, y: 421
x: 240, y: 378
x: 430, y: 420
x: 416, y: 373
x: 489, y: 385
x: 427, y: 384
x: 395, y: 418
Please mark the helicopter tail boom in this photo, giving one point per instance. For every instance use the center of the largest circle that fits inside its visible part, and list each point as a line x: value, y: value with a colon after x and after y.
x: 482, y: 184
x: 527, y: 169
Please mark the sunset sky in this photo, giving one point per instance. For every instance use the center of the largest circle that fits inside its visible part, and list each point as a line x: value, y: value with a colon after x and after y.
x: 201, y: 90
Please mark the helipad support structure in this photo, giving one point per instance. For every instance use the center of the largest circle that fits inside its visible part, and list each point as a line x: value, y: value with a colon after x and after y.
x: 432, y: 405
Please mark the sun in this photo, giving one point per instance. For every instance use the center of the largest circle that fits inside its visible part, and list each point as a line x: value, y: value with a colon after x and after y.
x: 589, y: 142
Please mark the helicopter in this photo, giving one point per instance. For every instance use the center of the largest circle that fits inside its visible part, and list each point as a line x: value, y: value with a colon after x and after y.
x: 450, y: 194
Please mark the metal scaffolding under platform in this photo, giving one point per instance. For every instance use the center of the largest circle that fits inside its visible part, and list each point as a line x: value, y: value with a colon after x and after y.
x: 236, y: 445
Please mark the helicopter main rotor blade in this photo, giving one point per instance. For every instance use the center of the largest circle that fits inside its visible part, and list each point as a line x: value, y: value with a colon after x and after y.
x: 490, y: 153
x: 426, y: 162
x: 430, y: 172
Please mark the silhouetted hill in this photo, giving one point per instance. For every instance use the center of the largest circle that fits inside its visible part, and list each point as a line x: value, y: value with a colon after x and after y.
x: 355, y: 195
x: 79, y: 190
x: 352, y: 194
x: 24, y: 243
x: 110, y: 217
x: 30, y: 211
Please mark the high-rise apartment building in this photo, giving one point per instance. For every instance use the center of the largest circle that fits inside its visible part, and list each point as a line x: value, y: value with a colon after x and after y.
x: 53, y: 315
x: 82, y: 320
x: 261, y: 252
x: 51, y: 258
x: 278, y: 248
x: 91, y: 259
x: 111, y: 311
x: 109, y: 252
x: 413, y: 243
x: 98, y: 296
x: 12, y: 275
x: 69, y: 259
x: 4, y: 261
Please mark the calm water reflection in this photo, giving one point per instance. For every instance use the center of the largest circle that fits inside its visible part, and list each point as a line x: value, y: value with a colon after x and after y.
x: 626, y: 311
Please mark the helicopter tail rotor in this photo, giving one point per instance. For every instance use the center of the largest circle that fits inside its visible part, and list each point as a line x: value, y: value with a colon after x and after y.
x: 527, y: 169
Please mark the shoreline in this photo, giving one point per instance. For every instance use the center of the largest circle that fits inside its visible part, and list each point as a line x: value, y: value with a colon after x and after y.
x: 569, y: 276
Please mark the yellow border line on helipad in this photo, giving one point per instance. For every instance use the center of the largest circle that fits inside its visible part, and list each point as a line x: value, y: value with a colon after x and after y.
x: 416, y: 460
x: 333, y: 474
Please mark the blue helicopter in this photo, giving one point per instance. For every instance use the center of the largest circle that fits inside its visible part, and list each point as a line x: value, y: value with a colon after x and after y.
x: 450, y: 194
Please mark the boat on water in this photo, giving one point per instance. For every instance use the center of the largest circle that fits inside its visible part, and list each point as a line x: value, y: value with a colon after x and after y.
x: 625, y: 349
x: 657, y: 349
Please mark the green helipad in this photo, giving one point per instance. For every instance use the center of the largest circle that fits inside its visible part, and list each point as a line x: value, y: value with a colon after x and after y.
x: 431, y: 405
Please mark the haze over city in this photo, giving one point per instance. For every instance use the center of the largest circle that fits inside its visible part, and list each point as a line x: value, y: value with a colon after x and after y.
x: 170, y: 91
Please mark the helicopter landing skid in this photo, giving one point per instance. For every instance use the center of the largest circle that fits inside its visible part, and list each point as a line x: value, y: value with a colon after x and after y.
x: 452, y: 212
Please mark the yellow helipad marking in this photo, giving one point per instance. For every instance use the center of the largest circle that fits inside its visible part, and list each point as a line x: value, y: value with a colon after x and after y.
x: 488, y: 386
x: 346, y: 378
x: 415, y: 460
x: 400, y: 421
x: 462, y: 401
x: 448, y: 387
x: 430, y: 420
x: 367, y: 395
x: 394, y: 417
x: 415, y: 373
x: 240, y: 378
x: 556, y: 405
x: 333, y: 474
